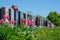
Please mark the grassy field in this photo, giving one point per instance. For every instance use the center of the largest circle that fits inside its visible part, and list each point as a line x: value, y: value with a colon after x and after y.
x: 24, y: 33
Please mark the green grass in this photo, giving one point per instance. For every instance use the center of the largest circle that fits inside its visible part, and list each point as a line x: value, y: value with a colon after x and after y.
x: 24, y: 33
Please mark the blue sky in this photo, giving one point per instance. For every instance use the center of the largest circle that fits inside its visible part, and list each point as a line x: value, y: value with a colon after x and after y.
x: 37, y: 7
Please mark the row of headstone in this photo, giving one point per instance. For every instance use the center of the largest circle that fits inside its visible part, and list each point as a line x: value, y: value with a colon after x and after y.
x: 16, y: 16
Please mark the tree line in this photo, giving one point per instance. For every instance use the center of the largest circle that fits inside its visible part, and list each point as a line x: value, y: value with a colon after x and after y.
x: 54, y: 17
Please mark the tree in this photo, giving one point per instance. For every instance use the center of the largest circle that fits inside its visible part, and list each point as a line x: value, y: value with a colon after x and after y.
x: 54, y: 17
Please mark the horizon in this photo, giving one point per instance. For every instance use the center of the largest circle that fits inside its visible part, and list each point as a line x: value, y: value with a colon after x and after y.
x: 38, y: 7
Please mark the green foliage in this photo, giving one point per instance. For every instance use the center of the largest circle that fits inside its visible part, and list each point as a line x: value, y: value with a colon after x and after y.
x: 54, y: 17
x: 16, y: 33
x: 24, y: 33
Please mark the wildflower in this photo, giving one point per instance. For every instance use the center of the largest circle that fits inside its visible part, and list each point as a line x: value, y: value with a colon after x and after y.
x: 30, y: 22
x: 6, y: 16
x: 23, y: 20
x: 11, y: 22
x: 15, y: 21
x: 0, y: 21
